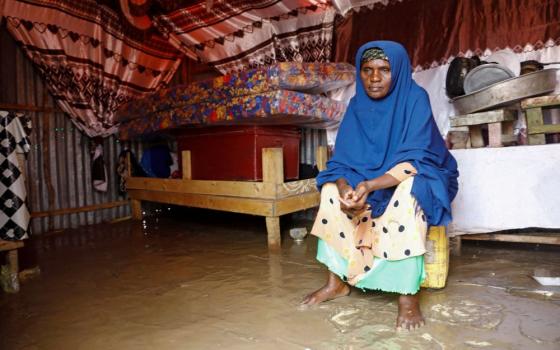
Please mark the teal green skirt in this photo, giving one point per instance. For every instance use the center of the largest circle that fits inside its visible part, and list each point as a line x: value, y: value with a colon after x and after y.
x: 398, y: 276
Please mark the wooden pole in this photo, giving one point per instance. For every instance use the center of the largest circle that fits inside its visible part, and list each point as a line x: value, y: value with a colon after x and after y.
x: 95, y: 207
x: 46, y: 158
x: 135, y: 205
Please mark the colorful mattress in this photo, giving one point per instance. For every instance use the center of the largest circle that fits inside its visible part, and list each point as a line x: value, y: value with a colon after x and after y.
x: 310, y: 78
x: 279, y: 107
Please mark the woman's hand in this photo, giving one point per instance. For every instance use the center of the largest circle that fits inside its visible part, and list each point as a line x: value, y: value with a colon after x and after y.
x: 347, y: 203
x: 361, y: 193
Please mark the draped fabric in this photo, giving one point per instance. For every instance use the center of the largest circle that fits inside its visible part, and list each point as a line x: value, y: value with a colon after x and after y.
x: 344, y: 6
x: 240, y: 34
x: 376, y: 135
x: 14, y: 141
x: 91, y: 59
x: 435, y: 31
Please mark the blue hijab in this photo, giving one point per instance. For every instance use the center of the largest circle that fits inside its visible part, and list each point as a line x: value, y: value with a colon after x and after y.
x: 376, y: 135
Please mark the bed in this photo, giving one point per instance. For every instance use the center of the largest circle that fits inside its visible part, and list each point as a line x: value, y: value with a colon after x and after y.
x: 291, y: 94
x: 278, y: 107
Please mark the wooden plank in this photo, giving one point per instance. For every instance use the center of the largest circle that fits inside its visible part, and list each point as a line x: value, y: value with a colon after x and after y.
x: 499, y: 115
x: 273, y: 232
x: 297, y: 203
x: 509, y: 139
x: 508, y: 136
x: 273, y: 166
x: 9, y: 245
x: 458, y: 139
x: 516, y: 238
x: 475, y: 136
x: 136, y: 208
x: 541, y: 101
x: 322, y: 158
x: 26, y: 108
x: 186, y: 165
x: 544, y: 129
x: 534, y: 119
x: 495, y: 134
x: 261, y: 207
x: 94, y: 207
x: 209, y: 187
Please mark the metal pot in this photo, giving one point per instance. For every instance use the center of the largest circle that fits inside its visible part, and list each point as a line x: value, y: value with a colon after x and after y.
x: 458, y: 69
x: 531, y: 66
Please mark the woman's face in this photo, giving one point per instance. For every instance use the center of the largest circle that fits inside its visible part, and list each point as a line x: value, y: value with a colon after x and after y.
x: 376, y: 77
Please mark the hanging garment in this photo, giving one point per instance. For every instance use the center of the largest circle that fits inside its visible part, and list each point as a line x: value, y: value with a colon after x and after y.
x: 14, y: 140
x: 98, y: 170
x: 122, y: 169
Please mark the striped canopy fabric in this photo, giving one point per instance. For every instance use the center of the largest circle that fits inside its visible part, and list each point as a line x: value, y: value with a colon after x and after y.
x: 237, y: 34
x: 91, y: 59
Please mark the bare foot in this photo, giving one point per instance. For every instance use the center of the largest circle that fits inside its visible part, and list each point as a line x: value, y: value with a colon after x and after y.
x: 410, y: 317
x: 334, y: 288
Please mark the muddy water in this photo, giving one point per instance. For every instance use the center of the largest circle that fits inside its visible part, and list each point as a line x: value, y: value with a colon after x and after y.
x: 208, y: 282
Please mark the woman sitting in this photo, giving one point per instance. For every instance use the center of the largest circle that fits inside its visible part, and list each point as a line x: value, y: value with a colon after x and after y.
x: 390, y: 178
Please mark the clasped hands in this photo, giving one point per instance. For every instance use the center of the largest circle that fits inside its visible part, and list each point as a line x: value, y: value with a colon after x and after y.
x: 353, y: 201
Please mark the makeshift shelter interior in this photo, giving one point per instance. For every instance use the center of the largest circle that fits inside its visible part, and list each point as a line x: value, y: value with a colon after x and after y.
x: 167, y: 150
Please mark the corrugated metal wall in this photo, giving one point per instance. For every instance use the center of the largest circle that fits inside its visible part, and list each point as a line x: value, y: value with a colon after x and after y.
x: 68, y: 161
x: 310, y: 140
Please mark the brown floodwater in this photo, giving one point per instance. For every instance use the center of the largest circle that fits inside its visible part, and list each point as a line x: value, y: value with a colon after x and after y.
x: 207, y: 281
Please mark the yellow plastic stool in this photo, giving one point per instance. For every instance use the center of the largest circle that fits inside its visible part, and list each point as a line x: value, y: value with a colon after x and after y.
x: 436, y: 259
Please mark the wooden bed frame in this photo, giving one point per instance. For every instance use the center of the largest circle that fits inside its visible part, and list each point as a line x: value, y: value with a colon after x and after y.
x: 270, y: 198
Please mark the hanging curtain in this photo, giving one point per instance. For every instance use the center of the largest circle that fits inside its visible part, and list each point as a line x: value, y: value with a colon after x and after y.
x: 14, y: 142
x: 237, y: 34
x: 91, y: 59
x: 435, y: 31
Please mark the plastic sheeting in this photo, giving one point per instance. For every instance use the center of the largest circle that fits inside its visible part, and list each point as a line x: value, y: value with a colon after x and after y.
x: 507, y: 188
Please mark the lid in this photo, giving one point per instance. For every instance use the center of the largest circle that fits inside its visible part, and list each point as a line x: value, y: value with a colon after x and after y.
x: 506, y: 58
x: 485, y: 75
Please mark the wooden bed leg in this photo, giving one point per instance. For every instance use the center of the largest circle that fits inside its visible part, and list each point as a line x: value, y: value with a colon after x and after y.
x: 13, y: 266
x: 273, y: 231
x: 455, y: 245
x: 13, y: 263
x: 136, y: 207
x: 273, y: 173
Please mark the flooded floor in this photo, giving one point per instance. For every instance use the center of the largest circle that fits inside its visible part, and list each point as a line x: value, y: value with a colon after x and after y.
x: 208, y: 282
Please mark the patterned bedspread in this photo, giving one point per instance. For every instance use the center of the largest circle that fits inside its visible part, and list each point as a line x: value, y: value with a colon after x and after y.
x: 280, y: 107
x: 310, y: 78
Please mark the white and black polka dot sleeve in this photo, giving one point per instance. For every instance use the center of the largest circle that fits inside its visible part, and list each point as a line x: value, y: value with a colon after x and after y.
x: 402, y: 171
